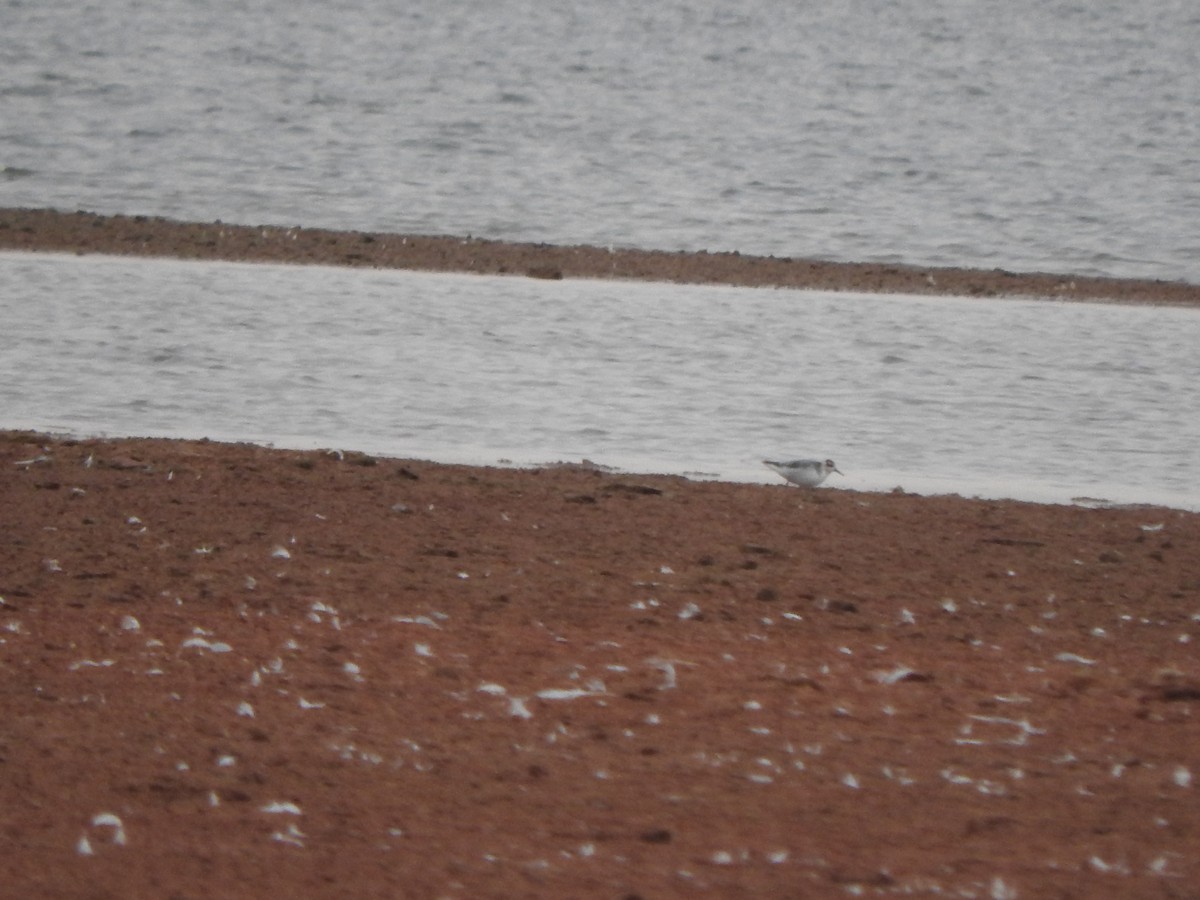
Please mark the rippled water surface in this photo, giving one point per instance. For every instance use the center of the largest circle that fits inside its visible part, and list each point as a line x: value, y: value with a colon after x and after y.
x: 1031, y: 134
x: 1020, y: 398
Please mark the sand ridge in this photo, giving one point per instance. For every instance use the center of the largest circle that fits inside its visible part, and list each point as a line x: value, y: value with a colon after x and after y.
x: 138, y: 235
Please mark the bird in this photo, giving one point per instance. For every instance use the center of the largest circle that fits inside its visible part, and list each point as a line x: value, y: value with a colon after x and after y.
x: 804, y: 472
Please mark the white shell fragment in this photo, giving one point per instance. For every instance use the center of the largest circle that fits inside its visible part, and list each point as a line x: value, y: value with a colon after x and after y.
x: 114, y: 822
x: 204, y: 644
x: 281, y: 807
x: 1075, y: 658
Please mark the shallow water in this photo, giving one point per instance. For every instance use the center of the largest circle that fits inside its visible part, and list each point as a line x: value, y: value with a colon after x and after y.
x: 1029, y: 135
x: 1018, y: 398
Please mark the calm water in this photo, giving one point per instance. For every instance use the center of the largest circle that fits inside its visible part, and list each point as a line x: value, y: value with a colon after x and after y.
x: 1034, y: 134
x: 1019, y: 398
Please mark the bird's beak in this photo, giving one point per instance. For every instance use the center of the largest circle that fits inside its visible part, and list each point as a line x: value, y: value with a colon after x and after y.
x: 839, y: 471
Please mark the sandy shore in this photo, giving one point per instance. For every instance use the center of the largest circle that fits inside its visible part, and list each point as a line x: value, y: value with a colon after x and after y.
x: 83, y: 232
x: 241, y: 672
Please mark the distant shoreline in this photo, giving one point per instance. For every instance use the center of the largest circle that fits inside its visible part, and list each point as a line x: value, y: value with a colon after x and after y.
x: 81, y: 232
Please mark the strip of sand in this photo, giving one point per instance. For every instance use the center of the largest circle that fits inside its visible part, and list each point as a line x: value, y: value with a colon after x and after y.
x: 84, y: 232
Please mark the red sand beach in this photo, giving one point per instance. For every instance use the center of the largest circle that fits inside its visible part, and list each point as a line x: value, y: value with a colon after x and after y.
x: 234, y: 671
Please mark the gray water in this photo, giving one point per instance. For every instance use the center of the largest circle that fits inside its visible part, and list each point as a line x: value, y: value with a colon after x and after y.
x: 1031, y: 135
x: 1033, y: 399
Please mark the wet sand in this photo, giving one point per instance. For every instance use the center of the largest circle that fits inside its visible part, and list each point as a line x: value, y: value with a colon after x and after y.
x: 241, y: 672
x: 83, y: 232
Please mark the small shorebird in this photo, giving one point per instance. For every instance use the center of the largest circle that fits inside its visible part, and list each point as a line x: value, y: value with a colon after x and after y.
x: 804, y: 472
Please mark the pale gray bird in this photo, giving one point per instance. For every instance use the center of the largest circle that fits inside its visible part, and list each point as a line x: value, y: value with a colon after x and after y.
x: 804, y: 472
